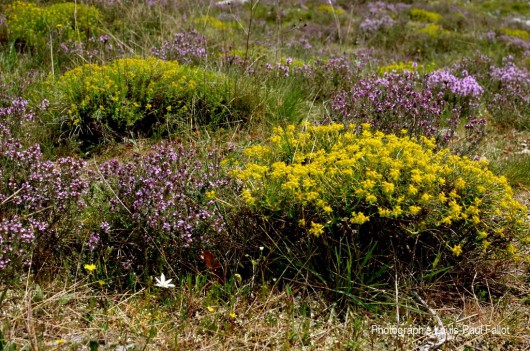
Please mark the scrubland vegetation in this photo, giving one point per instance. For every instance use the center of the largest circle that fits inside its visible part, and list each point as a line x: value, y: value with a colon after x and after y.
x: 263, y: 174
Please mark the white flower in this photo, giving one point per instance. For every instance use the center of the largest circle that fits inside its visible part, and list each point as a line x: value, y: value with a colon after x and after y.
x: 163, y: 283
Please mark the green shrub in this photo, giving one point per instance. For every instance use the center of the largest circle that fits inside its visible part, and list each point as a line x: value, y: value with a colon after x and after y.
x: 33, y: 25
x: 143, y: 96
x: 421, y: 207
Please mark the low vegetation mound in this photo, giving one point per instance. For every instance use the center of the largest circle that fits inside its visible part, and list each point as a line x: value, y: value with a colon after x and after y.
x: 33, y: 26
x: 142, y: 97
x: 421, y: 207
x: 155, y: 211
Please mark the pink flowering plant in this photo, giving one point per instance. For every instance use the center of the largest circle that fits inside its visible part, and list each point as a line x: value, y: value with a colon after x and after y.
x: 40, y: 200
x: 158, y: 209
x: 430, y: 104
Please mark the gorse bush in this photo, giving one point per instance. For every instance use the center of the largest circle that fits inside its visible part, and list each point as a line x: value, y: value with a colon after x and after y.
x: 335, y: 181
x: 145, y: 96
x: 35, y: 26
x: 158, y: 209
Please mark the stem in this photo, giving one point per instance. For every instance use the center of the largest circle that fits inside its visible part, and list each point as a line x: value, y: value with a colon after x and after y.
x: 247, y: 45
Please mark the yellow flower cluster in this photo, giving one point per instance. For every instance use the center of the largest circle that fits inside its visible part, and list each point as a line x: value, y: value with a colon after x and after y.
x: 212, y: 22
x: 515, y: 33
x: 406, y: 66
x: 424, y: 15
x: 332, y: 10
x: 321, y: 175
x: 433, y: 30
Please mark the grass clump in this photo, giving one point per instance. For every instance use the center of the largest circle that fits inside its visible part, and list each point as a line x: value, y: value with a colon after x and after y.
x: 145, y: 97
x: 392, y: 194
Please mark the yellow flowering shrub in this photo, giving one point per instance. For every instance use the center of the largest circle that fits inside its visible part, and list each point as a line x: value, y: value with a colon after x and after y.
x: 433, y: 31
x: 209, y: 21
x: 333, y: 180
x: 424, y: 15
x: 333, y: 10
x: 406, y: 66
x: 34, y: 24
x: 515, y: 33
x: 134, y: 95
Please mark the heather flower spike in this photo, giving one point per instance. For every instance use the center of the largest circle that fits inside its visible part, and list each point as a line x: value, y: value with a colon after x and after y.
x: 163, y: 283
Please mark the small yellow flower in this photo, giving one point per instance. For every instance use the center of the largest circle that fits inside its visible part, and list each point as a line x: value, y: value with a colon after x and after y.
x: 416, y: 176
x: 210, y: 194
x: 317, y: 229
x: 426, y: 197
x: 101, y: 282
x: 460, y: 183
x: 359, y: 218
x: 447, y: 220
x: 483, y: 234
x: 210, y: 309
x: 368, y: 184
x: 327, y: 209
x: 232, y: 315
x: 414, y: 210
x: 247, y: 197
x: 457, y: 250
x: 453, y: 194
x: 384, y: 212
x: 397, y: 211
x: 371, y: 198
x: 90, y: 267
x: 388, y: 188
x: 394, y: 174
x: 59, y: 341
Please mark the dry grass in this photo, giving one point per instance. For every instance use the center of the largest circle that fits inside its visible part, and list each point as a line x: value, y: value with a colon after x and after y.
x: 196, y: 316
